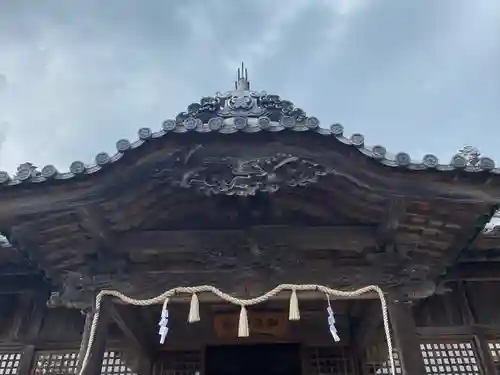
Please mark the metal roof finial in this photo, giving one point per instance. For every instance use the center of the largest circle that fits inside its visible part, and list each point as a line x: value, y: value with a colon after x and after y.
x: 242, y: 83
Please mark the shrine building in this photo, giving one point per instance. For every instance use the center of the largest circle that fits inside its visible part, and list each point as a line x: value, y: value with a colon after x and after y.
x: 238, y: 194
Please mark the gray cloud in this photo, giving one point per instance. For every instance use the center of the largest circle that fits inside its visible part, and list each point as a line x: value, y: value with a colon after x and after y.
x: 416, y: 75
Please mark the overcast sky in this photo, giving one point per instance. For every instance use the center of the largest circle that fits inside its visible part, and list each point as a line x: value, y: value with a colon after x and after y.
x: 415, y: 75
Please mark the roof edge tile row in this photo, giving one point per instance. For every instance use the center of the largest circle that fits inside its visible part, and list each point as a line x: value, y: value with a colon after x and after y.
x: 27, y: 174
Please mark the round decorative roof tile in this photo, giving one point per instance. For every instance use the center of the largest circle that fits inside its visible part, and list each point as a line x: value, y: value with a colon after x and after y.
x: 102, y: 158
x: 4, y: 177
x: 215, y: 123
x: 486, y: 163
x: 168, y: 125
x: 240, y: 123
x: 24, y: 174
x: 49, y: 171
x: 337, y: 129
x: 379, y: 152
x: 77, y: 167
x: 403, y: 159
x: 264, y: 122
x: 312, y: 122
x: 287, y: 121
x: 145, y: 133
x: 430, y: 161
x: 458, y: 161
x: 123, y: 145
x: 358, y: 140
x: 190, y: 123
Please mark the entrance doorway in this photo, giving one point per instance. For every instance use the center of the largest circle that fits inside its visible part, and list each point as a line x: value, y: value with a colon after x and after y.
x: 262, y: 359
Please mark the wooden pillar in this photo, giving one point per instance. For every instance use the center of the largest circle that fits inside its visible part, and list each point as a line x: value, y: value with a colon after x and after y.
x: 98, y: 348
x: 27, y: 357
x: 89, y: 315
x: 405, y: 337
x: 481, y: 343
x: 34, y: 307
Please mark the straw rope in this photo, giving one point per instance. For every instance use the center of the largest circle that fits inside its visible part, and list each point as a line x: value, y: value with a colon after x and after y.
x: 164, y: 297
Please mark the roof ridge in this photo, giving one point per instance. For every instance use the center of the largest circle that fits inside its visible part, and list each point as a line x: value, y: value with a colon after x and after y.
x: 245, y: 111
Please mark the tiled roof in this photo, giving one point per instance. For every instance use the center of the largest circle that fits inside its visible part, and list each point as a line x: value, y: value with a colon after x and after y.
x: 246, y: 111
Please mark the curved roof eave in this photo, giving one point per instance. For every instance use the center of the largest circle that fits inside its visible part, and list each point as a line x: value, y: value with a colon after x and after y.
x: 245, y: 111
x: 379, y: 153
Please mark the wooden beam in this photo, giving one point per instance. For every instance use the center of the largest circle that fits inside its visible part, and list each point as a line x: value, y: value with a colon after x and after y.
x: 395, y: 214
x: 22, y: 283
x: 35, y: 318
x: 371, y: 320
x: 92, y: 220
x: 27, y: 357
x: 128, y: 321
x: 406, y: 339
x: 25, y: 239
x: 354, y: 238
x: 477, y: 271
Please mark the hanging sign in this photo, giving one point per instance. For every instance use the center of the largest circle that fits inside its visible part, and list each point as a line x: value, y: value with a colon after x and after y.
x: 271, y: 324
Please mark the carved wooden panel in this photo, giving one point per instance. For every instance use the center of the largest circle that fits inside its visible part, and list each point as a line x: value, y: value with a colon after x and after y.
x: 9, y: 363
x: 55, y: 362
x: 178, y: 363
x: 450, y: 358
x: 114, y: 364
x: 328, y: 360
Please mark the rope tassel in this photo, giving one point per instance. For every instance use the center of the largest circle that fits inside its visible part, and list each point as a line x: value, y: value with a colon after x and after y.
x: 243, y: 330
x: 294, y: 312
x: 194, y: 309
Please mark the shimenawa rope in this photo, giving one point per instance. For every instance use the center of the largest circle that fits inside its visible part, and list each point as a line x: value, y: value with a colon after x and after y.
x: 243, y: 303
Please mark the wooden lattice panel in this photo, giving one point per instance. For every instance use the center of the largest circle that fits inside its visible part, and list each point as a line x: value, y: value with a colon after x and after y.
x: 494, y: 347
x: 56, y: 362
x: 450, y: 358
x: 374, y: 365
x: 9, y: 363
x: 113, y: 364
x: 178, y: 363
x: 330, y: 360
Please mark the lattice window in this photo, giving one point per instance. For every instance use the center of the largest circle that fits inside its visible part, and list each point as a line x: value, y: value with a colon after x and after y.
x: 376, y: 361
x: 330, y: 360
x: 9, y: 363
x: 179, y: 363
x: 55, y: 363
x: 113, y: 364
x: 494, y: 347
x: 452, y: 358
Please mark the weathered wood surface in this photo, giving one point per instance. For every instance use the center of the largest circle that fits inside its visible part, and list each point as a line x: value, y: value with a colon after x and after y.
x: 134, y: 226
x: 109, y: 245
x: 406, y: 339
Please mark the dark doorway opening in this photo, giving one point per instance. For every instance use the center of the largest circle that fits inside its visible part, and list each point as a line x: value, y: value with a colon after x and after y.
x: 262, y: 359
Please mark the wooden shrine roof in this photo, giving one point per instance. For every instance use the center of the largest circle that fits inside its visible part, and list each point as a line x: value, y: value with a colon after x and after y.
x: 244, y: 190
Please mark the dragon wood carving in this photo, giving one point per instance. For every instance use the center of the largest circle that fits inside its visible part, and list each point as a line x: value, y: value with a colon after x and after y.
x: 235, y: 175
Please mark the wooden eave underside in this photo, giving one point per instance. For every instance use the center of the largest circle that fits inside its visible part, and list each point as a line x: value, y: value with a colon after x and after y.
x: 341, y: 160
x: 124, y: 229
